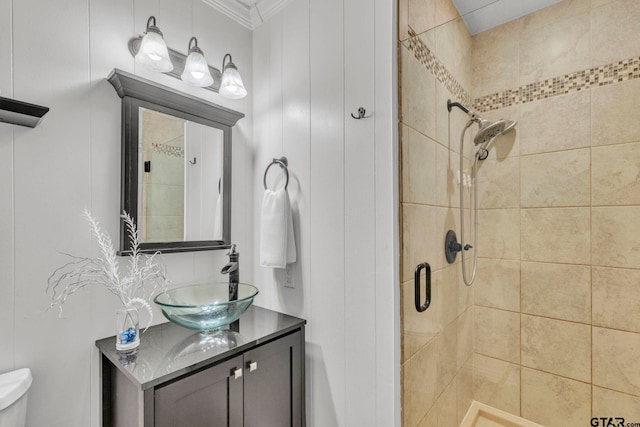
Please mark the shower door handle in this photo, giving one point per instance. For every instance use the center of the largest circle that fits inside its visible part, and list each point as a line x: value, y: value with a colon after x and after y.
x: 416, y: 280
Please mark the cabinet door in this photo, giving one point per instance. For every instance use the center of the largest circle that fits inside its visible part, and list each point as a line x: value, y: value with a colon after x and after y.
x: 273, y: 384
x: 210, y: 398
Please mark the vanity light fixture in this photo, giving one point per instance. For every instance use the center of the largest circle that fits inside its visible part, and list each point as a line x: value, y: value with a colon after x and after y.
x: 196, y: 70
x: 231, y: 86
x: 153, y: 52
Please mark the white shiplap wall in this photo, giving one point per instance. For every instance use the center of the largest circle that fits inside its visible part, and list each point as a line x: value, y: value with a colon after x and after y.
x: 315, y: 63
x: 58, y: 54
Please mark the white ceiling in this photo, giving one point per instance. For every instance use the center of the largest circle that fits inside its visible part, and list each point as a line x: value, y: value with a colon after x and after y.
x: 249, y: 13
x: 480, y: 15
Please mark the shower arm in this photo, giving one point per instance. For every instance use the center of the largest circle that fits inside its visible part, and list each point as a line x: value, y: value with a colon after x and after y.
x: 451, y: 104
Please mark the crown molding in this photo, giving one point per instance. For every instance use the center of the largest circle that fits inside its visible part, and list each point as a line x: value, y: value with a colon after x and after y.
x: 250, y: 17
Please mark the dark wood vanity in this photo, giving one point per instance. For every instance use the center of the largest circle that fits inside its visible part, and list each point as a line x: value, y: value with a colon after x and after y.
x: 251, y: 374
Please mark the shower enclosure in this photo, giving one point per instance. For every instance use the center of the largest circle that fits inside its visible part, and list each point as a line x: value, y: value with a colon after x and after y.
x: 550, y: 328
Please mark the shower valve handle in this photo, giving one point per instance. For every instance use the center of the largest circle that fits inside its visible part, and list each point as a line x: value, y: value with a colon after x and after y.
x: 467, y: 247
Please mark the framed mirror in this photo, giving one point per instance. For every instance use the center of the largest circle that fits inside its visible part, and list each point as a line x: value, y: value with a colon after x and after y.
x: 176, y: 167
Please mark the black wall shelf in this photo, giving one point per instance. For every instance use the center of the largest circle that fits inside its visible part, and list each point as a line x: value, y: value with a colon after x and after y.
x: 21, y: 113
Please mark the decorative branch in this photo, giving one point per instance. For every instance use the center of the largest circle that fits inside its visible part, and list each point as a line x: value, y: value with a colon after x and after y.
x: 145, y: 277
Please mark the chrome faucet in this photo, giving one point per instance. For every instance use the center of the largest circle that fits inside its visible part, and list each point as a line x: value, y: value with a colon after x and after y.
x: 233, y: 270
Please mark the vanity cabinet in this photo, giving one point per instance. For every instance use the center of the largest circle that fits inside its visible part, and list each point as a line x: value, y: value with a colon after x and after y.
x: 212, y: 397
x: 252, y: 376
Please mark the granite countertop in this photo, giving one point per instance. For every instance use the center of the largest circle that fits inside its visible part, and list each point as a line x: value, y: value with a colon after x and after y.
x: 168, y: 351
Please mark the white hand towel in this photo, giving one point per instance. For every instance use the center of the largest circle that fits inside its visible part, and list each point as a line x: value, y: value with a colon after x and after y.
x: 217, y: 220
x: 277, y: 242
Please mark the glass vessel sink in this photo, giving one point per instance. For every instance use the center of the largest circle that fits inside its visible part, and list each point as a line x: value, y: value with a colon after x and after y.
x: 206, y: 306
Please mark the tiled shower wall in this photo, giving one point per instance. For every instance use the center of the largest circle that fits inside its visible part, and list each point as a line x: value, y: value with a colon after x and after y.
x: 557, y: 325
x: 437, y: 344
x: 555, y: 328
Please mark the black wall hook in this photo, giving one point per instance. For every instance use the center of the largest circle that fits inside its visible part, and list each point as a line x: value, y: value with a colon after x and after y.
x: 361, y: 114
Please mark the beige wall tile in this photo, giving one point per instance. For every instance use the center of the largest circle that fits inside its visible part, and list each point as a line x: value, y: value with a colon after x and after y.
x: 418, y: 92
x: 497, y: 333
x: 556, y: 179
x: 464, y: 382
x: 598, y: 3
x: 453, y: 49
x: 498, y: 233
x: 498, y: 284
x: 616, y: 364
x: 421, y: 15
x: 498, y: 183
x: 444, y: 178
x: 615, y: 27
x: 544, y: 123
x: 612, y: 118
x: 418, y: 231
x: 424, y: 15
x: 429, y: 39
x: 419, y: 161
x: 616, y: 298
x: 561, y: 291
x: 616, y: 241
x: 609, y: 403
x: 556, y: 13
x: 495, y: 59
x: 496, y: 383
x: 560, y: 47
x: 419, y: 375
x: 446, y: 11
x: 556, y: 346
x: 465, y: 293
x: 447, y: 407
x: 556, y: 235
x: 418, y: 328
x: 447, y: 348
x: 448, y: 307
x: 454, y: 185
x: 464, y: 327
x: 431, y: 419
x: 555, y: 401
x: 615, y: 174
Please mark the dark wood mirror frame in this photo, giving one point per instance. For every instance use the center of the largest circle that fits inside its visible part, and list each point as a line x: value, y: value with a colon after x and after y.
x: 137, y: 92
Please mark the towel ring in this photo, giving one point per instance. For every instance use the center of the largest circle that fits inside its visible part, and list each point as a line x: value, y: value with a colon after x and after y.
x: 283, y: 163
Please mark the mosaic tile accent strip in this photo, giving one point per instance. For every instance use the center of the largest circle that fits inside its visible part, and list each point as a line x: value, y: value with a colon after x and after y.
x: 168, y: 150
x: 621, y: 71
x: 424, y: 55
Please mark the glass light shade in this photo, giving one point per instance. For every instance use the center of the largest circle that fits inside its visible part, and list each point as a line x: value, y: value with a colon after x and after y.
x: 196, y: 70
x: 153, y: 53
x: 232, y: 86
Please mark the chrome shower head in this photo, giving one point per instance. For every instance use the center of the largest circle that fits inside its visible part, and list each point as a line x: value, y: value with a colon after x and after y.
x: 488, y: 131
x: 509, y: 124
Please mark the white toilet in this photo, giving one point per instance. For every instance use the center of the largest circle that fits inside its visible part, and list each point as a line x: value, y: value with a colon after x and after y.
x: 13, y: 397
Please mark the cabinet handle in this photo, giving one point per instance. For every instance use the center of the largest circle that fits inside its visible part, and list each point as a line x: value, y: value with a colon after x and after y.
x: 236, y: 373
x: 252, y: 366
